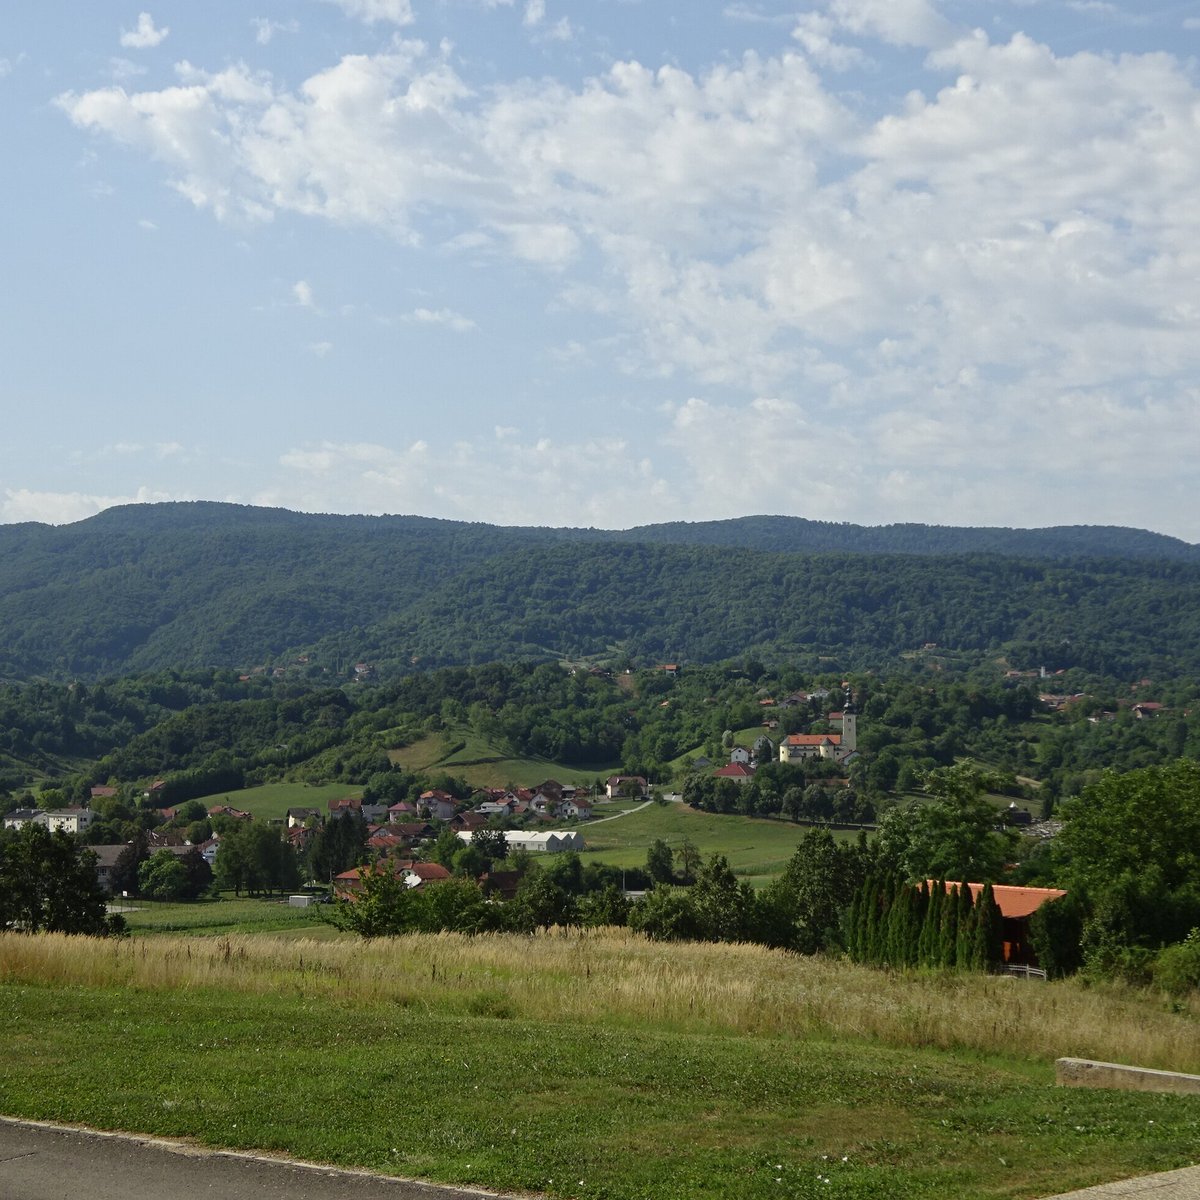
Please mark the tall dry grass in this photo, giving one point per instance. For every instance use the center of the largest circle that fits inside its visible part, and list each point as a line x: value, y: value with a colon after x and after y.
x: 613, y: 977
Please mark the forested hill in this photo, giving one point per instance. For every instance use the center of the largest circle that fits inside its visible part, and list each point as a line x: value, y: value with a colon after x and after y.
x: 783, y: 534
x: 177, y: 585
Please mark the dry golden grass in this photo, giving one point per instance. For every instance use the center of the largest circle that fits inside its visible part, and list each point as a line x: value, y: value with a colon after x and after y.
x: 613, y: 976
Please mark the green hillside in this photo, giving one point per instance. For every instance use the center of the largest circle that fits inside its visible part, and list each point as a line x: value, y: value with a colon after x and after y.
x: 210, y: 585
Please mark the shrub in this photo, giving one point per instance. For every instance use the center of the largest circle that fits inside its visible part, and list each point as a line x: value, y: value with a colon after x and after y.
x: 1177, y: 968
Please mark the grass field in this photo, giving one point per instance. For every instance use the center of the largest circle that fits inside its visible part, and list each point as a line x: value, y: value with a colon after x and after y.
x: 592, y: 1065
x: 756, y: 849
x: 461, y: 752
x: 271, y: 801
x: 226, y: 915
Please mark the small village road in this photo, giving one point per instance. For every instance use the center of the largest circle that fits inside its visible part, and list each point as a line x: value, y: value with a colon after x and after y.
x: 615, y: 817
x: 52, y: 1162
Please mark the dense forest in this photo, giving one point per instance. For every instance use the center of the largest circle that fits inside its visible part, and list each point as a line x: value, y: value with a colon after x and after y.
x: 182, y: 586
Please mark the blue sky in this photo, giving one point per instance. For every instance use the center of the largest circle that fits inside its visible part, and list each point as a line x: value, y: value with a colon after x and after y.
x: 604, y: 263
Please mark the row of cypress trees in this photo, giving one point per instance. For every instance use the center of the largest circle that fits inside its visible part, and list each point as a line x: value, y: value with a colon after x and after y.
x: 892, y: 923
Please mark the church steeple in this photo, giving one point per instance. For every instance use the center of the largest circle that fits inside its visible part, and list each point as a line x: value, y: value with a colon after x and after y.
x: 849, y: 723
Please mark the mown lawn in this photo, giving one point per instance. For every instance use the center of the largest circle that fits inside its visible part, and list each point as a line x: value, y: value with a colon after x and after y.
x: 501, y: 1099
x: 221, y: 916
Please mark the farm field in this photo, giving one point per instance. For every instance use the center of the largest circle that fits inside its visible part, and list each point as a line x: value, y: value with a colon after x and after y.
x: 463, y: 753
x: 757, y: 849
x: 648, y: 1070
x: 270, y: 801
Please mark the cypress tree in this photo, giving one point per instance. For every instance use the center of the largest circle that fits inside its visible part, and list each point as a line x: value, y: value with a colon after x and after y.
x: 853, y: 927
x: 931, y: 928
x: 917, y: 926
x: 948, y: 929
x: 989, y: 931
x: 897, y: 923
x: 883, y: 918
x: 965, y: 933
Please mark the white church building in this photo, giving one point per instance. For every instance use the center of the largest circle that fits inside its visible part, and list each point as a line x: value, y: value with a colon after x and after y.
x: 837, y: 747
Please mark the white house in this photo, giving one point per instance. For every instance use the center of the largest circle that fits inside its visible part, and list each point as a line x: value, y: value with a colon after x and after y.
x: 26, y: 816
x: 69, y: 820
x: 553, y: 842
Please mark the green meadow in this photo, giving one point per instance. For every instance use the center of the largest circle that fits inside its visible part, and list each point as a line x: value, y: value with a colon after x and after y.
x: 225, y: 914
x: 462, y: 752
x: 270, y: 801
x: 756, y: 848
x: 592, y: 1066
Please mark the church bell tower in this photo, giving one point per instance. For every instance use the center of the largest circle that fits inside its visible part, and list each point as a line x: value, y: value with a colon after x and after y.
x: 849, y: 723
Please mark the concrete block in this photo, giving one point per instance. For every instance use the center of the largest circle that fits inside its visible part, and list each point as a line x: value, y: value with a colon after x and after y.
x: 1083, y: 1072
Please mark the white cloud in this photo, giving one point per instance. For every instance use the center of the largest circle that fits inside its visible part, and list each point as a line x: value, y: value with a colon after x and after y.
x: 303, y: 294
x: 265, y: 29
x: 145, y: 36
x: 753, y: 15
x: 998, y: 268
x: 592, y: 482
x: 394, y: 12
x: 320, y: 349
x: 148, y: 225
x: 441, y: 316
x: 123, y: 68
x: 535, y: 13
x: 8, y: 65
x: 814, y: 31
x: 899, y: 22
x: 61, y: 508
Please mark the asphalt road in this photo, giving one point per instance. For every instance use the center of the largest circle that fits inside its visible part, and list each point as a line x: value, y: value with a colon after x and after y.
x: 48, y: 1162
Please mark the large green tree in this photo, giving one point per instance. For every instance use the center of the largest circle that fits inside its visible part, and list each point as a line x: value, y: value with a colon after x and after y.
x: 48, y: 883
x: 953, y: 834
x: 1132, y: 845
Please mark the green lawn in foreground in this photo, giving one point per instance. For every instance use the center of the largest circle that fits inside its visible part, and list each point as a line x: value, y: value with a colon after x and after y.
x: 756, y: 848
x: 270, y: 801
x: 597, y: 1112
x: 221, y: 916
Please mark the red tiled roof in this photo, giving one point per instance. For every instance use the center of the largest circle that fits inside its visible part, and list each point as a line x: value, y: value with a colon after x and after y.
x: 813, y: 739
x: 427, y: 872
x: 1012, y: 901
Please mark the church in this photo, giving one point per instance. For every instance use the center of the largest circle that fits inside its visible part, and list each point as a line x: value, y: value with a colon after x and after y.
x: 836, y: 747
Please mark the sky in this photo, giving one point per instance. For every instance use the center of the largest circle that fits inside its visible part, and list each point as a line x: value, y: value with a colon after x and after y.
x: 606, y: 262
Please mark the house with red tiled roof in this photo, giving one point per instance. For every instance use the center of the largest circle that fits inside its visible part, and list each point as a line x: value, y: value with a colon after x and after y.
x: 738, y: 772
x: 617, y: 785
x: 349, y: 883
x: 439, y: 805
x: 419, y: 874
x: 578, y: 809
x: 227, y: 810
x: 1017, y: 905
